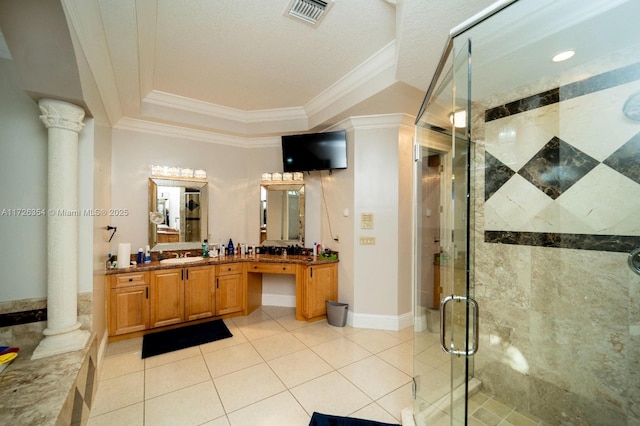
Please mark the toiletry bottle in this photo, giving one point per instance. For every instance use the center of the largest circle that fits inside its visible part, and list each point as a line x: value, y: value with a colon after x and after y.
x: 230, y: 248
x: 140, y: 256
x: 205, y: 248
x: 315, y: 249
x: 147, y: 254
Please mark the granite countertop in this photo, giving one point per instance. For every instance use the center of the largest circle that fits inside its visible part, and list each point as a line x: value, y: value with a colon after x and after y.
x: 33, y: 392
x: 262, y: 258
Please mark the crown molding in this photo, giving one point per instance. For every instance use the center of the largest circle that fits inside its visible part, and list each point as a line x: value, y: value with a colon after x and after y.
x: 170, y: 100
x: 379, y: 121
x: 207, y: 121
x: 381, y: 61
x: 377, y: 71
x: 169, y: 130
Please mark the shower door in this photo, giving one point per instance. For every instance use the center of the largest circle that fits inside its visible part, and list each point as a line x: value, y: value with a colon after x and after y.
x: 544, y: 238
x: 446, y: 326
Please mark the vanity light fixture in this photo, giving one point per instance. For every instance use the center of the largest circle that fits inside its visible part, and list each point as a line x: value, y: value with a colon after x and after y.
x: 277, y: 177
x: 177, y: 172
x: 563, y: 56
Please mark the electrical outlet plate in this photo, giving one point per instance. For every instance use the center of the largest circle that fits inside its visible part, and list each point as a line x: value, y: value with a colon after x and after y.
x: 367, y: 241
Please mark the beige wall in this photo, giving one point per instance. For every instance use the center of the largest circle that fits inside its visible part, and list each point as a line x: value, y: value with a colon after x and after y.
x: 233, y: 173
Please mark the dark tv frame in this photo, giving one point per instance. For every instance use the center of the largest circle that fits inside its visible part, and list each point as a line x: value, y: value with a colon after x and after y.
x: 324, y: 145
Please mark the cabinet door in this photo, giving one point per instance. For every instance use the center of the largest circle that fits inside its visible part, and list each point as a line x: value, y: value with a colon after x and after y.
x: 229, y: 293
x: 199, y: 293
x: 167, y: 297
x: 128, y: 309
x: 322, y: 285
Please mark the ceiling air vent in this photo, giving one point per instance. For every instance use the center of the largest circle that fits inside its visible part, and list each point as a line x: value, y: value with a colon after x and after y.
x: 309, y: 11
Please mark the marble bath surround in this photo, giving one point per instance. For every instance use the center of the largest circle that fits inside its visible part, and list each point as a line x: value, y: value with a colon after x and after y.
x: 56, y: 390
x: 48, y: 391
x: 557, y: 198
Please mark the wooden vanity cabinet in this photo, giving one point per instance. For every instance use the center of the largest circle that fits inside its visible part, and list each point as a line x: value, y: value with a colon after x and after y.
x: 139, y: 301
x: 182, y: 294
x: 230, y: 288
x: 167, y: 297
x: 320, y: 285
x: 128, y: 303
x: 199, y: 293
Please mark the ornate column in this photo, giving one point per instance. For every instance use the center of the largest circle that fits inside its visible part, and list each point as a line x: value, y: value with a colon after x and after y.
x: 63, y: 121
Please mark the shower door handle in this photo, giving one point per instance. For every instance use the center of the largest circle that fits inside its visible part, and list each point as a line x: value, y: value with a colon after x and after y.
x: 450, y: 349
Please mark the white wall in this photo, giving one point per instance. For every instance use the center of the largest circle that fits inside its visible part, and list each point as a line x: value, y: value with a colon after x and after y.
x: 23, y: 173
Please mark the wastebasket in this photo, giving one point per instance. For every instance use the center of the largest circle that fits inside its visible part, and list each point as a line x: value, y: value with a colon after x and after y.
x: 337, y: 313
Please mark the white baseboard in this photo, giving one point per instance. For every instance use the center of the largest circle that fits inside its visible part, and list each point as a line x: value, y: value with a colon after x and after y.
x: 380, y: 322
x: 102, y: 347
x: 286, y: 300
x: 420, y: 323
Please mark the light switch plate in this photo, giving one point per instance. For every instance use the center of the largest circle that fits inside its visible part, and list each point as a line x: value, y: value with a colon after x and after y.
x: 367, y: 241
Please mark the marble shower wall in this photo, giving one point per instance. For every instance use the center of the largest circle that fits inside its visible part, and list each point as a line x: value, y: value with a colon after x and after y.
x: 557, y: 201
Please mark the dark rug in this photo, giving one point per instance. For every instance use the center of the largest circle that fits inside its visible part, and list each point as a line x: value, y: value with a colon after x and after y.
x: 319, y: 419
x: 183, y: 337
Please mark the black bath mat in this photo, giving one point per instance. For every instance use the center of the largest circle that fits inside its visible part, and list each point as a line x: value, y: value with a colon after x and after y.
x: 183, y: 337
x: 319, y: 419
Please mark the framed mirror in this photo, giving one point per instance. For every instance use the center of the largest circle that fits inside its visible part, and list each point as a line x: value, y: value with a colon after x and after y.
x: 282, y: 214
x: 178, y: 212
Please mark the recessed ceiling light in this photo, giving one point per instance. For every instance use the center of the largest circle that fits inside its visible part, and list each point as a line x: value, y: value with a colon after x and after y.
x: 563, y: 56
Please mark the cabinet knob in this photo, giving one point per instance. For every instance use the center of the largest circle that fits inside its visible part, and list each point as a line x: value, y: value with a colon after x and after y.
x: 284, y: 268
x: 130, y: 279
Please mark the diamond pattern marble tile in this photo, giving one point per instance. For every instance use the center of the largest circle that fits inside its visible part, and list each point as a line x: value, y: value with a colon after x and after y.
x: 557, y: 167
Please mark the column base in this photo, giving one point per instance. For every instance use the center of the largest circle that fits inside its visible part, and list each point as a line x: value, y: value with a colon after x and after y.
x: 61, y: 343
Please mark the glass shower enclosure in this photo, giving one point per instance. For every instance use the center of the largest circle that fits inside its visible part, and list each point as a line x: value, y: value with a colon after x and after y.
x: 527, y: 299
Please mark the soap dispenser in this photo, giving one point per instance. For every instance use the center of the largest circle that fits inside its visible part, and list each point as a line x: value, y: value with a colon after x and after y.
x: 230, y: 248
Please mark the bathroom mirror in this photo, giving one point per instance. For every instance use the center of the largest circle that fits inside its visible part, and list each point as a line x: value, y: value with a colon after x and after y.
x: 282, y: 214
x: 177, y: 213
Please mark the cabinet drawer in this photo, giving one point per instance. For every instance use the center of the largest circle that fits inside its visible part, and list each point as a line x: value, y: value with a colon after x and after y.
x: 230, y: 268
x: 272, y: 268
x: 127, y: 280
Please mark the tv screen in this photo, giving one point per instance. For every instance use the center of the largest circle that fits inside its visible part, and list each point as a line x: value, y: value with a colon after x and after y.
x: 314, y: 151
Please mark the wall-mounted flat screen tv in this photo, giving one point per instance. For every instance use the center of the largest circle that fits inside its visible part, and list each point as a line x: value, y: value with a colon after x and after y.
x: 314, y: 151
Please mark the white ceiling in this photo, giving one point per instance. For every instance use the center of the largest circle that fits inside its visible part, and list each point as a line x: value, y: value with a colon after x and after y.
x: 244, y: 68
x: 244, y: 71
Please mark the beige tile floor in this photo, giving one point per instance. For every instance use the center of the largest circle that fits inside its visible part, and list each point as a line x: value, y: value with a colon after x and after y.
x: 278, y: 371
x: 273, y: 371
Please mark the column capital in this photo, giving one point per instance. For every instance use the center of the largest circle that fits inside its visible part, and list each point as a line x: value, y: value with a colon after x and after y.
x: 62, y: 115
